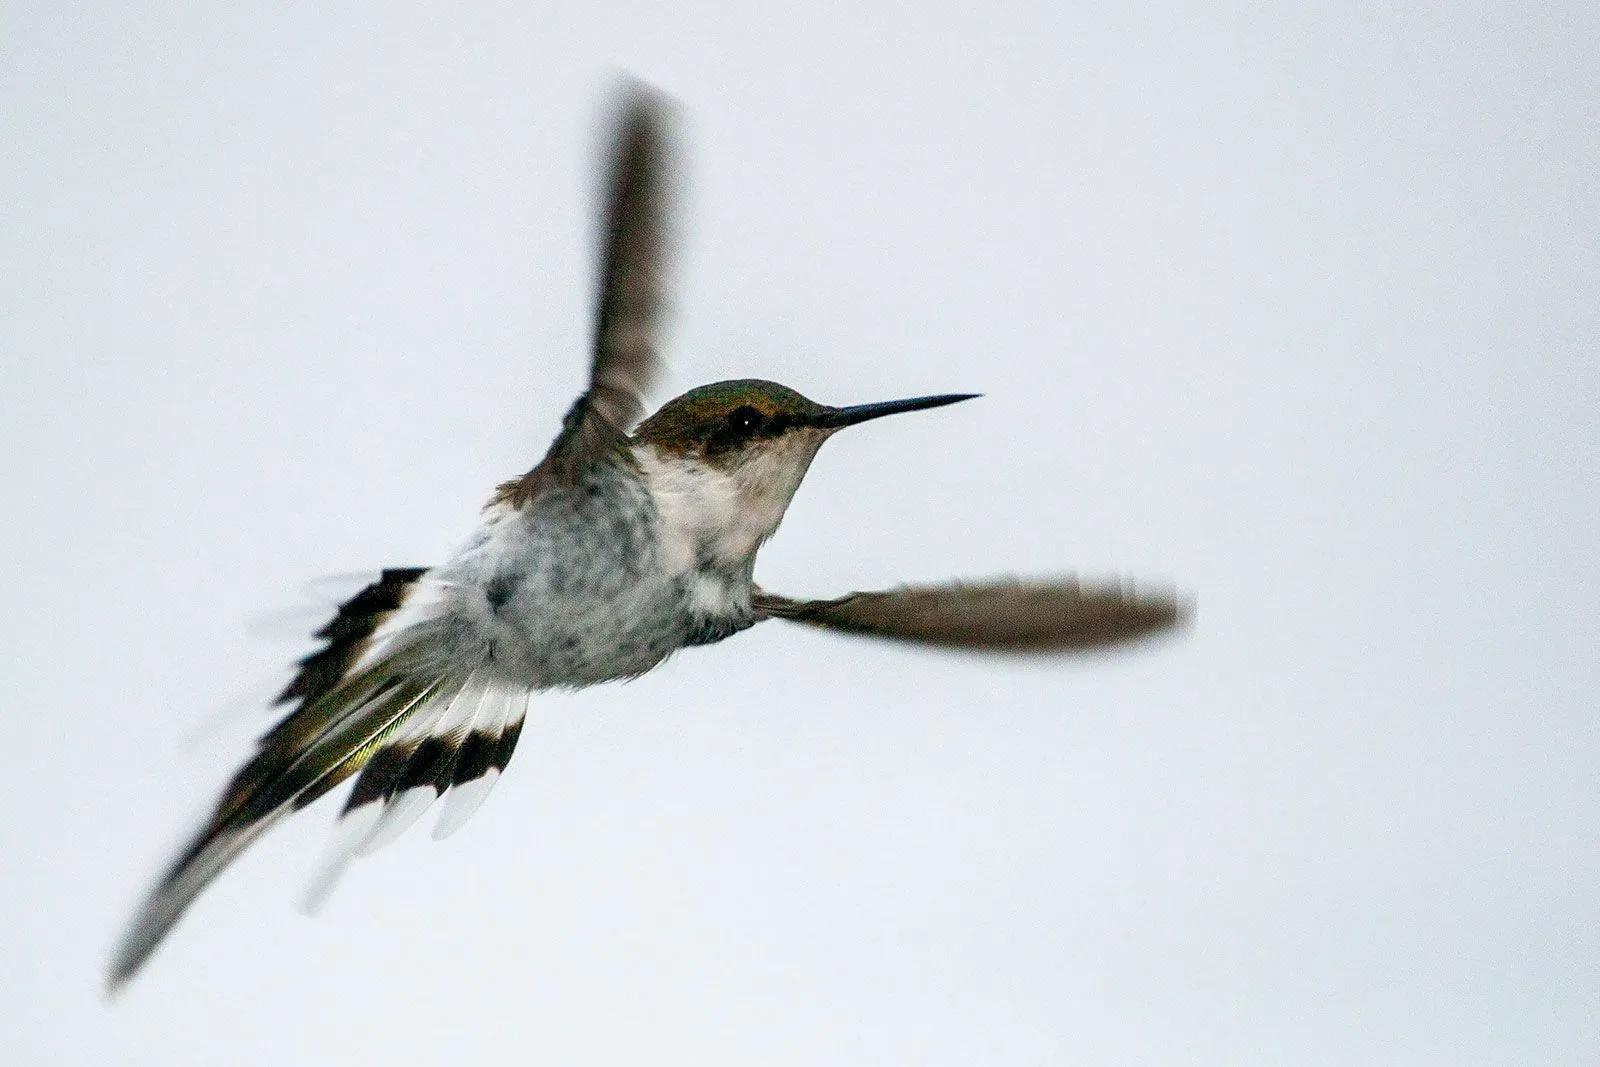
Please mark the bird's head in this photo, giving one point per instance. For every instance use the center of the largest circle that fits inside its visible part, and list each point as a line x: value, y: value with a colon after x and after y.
x: 747, y: 444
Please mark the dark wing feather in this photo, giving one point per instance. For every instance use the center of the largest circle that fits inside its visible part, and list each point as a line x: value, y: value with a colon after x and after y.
x: 1005, y: 616
x: 347, y: 635
x: 337, y: 720
x: 310, y: 713
x: 351, y: 721
x: 454, y: 748
x: 633, y: 280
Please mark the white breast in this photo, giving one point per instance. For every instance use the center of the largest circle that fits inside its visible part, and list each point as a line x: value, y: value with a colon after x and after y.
x: 707, y: 534
x: 720, y: 515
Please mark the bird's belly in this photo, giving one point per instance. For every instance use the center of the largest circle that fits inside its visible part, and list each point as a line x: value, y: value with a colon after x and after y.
x: 573, y: 590
x: 575, y: 634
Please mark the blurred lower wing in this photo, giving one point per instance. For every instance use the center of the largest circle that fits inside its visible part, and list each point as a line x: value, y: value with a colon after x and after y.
x: 1005, y: 616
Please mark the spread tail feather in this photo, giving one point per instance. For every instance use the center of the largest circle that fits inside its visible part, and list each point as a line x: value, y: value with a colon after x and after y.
x: 346, y: 700
x: 377, y: 701
x: 456, y: 752
x: 336, y: 736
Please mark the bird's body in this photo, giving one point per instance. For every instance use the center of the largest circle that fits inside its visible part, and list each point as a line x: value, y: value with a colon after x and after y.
x: 613, y: 552
x: 651, y: 549
x: 581, y: 586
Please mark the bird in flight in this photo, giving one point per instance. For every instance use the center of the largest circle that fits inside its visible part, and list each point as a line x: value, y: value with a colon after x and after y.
x: 628, y: 541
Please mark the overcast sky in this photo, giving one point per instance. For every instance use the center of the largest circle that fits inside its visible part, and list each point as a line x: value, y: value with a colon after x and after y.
x: 1297, y: 311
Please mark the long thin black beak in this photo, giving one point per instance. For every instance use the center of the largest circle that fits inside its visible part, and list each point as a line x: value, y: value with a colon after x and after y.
x: 837, y: 418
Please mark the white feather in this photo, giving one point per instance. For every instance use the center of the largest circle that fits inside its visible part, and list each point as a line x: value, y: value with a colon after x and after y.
x: 403, y: 809
x: 354, y: 828
x: 399, y: 812
x: 465, y: 799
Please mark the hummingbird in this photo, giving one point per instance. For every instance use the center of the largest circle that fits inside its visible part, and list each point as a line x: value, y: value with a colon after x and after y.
x: 627, y: 541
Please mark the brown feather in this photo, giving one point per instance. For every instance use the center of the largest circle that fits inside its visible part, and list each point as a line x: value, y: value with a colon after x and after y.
x: 1004, y: 616
x: 633, y: 280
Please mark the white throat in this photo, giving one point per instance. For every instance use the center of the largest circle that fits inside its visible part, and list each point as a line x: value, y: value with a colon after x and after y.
x: 721, y: 515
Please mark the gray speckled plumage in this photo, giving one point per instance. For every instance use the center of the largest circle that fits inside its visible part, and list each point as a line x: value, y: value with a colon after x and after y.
x: 582, y: 591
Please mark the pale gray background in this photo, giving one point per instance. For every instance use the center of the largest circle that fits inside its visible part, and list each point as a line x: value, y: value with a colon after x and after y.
x: 1297, y: 310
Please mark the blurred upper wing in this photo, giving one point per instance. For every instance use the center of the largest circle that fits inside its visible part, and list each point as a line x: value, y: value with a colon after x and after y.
x: 1004, y: 616
x: 633, y: 281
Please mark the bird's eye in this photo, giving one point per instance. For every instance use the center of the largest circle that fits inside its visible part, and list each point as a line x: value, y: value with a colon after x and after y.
x: 736, y: 429
x: 745, y: 420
